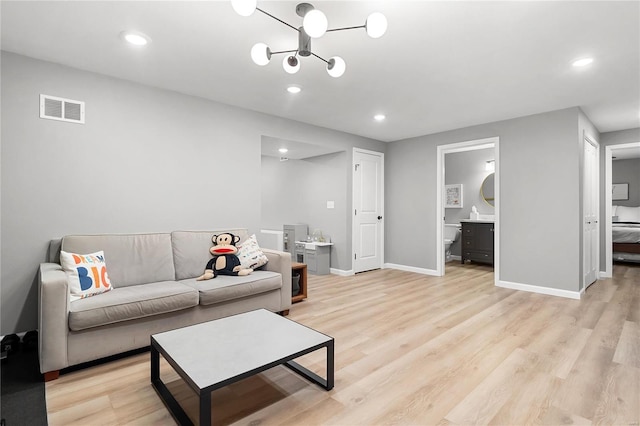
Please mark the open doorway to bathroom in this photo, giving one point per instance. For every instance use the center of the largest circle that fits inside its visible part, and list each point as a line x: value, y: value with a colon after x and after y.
x: 468, y: 190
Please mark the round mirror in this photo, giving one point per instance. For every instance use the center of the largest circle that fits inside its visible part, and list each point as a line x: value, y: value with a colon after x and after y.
x: 487, y: 189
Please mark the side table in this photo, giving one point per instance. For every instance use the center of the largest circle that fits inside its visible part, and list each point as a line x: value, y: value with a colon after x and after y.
x: 301, y: 268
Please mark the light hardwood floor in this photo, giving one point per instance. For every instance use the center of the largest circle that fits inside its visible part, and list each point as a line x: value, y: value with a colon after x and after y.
x: 414, y: 349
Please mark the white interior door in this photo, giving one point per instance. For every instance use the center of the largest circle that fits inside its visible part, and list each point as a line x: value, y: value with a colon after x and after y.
x: 591, y: 244
x: 368, y: 205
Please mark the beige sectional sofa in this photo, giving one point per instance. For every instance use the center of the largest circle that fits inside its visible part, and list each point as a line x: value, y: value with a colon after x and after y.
x: 154, y: 290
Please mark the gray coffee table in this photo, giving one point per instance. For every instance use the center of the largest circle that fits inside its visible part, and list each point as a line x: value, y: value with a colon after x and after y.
x: 218, y: 353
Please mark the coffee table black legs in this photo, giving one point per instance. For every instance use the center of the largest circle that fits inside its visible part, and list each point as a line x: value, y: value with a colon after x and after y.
x: 313, y: 377
x: 165, y: 395
x: 205, y: 408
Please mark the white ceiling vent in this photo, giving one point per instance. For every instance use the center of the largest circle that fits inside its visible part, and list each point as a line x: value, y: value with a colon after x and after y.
x: 54, y: 108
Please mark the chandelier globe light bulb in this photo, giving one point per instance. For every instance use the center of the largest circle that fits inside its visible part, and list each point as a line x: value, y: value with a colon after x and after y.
x: 336, y: 67
x: 315, y: 23
x: 244, y: 7
x: 291, y: 64
x: 376, y: 25
x: 260, y: 54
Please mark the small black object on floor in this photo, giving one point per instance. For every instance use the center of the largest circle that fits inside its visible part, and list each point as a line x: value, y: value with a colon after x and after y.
x: 22, y: 385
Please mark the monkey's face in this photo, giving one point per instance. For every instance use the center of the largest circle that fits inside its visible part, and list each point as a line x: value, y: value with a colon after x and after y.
x: 224, y: 244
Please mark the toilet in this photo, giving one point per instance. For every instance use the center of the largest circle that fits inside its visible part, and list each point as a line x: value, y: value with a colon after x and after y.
x: 451, y: 234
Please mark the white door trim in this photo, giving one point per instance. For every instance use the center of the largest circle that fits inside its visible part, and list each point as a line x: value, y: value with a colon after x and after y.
x: 608, y: 182
x: 353, y: 218
x: 493, y: 142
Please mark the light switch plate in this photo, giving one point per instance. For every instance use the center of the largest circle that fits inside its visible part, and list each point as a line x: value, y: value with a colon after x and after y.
x: 331, y: 204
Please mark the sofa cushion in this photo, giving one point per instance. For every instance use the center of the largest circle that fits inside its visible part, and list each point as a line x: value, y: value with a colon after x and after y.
x: 87, y: 274
x: 128, y: 303
x: 225, y: 287
x: 191, y: 250
x: 250, y: 255
x: 133, y: 258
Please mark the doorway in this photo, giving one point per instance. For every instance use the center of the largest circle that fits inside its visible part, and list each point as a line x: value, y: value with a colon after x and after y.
x: 368, y: 210
x: 442, y: 150
x: 610, y: 152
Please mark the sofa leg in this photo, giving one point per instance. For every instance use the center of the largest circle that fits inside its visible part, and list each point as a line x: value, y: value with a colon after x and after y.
x: 51, y: 375
x: 284, y: 313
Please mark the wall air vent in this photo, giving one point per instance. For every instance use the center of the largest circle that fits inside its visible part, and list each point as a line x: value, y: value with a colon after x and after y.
x: 54, y: 108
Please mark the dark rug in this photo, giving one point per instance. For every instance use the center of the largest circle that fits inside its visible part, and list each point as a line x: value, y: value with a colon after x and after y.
x: 22, y: 388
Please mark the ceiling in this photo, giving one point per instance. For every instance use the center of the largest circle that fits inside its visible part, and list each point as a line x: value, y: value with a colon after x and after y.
x: 440, y: 66
x: 295, y: 150
x: 625, y: 153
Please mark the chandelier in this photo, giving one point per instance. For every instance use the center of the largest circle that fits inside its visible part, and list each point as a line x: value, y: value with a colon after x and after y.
x: 314, y: 25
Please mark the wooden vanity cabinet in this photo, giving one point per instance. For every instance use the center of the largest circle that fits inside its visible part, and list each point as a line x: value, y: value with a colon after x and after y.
x: 477, y: 242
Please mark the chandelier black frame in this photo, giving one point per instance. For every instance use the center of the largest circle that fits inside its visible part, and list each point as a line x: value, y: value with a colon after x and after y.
x: 315, y: 25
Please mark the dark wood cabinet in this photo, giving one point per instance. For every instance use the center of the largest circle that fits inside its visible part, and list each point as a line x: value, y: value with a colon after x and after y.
x: 477, y: 242
x: 301, y: 269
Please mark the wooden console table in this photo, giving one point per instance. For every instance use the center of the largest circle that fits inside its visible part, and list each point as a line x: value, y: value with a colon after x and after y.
x: 302, y: 270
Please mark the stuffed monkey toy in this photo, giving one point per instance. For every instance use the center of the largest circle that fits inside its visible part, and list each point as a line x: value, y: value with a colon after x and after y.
x: 224, y: 261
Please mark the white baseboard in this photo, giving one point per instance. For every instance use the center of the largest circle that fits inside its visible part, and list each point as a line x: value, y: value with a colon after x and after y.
x: 411, y: 269
x: 603, y: 274
x: 341, y: 272
x: 537, y: 289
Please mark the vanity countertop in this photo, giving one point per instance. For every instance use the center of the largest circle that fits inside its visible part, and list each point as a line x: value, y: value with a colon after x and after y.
x: 477, y: 220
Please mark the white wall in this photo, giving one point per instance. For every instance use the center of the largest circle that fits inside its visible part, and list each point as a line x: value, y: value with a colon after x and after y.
x: 147, y: 160
x: 539, y: 198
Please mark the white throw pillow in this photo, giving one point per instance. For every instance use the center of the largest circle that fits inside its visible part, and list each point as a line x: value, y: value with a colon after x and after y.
x: 250, y: 254
x: 87, y: 274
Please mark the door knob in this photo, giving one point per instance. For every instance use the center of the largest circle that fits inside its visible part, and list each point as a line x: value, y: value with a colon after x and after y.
x: 379, y: 217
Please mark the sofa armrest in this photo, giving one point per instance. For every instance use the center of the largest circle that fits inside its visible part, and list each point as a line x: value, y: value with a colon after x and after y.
x: 280, y: 261
x: 53, y: 317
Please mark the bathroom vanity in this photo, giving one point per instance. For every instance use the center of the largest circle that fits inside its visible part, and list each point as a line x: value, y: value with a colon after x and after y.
x: 477, y: 241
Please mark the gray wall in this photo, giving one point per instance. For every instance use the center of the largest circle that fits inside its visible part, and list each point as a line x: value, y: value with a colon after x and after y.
x: 609, y: 139
x: 297, y: 191
x: 627, y: 171
x: 539, y: 198
x: 469, y: 169
x: 147, y: 160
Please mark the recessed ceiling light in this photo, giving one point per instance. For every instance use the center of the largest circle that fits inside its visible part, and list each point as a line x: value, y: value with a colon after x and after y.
x: 136, y: 38
x: 294, y: 89
x: 283, y: 150
x: 582, y: 62
x: 379, y: 117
